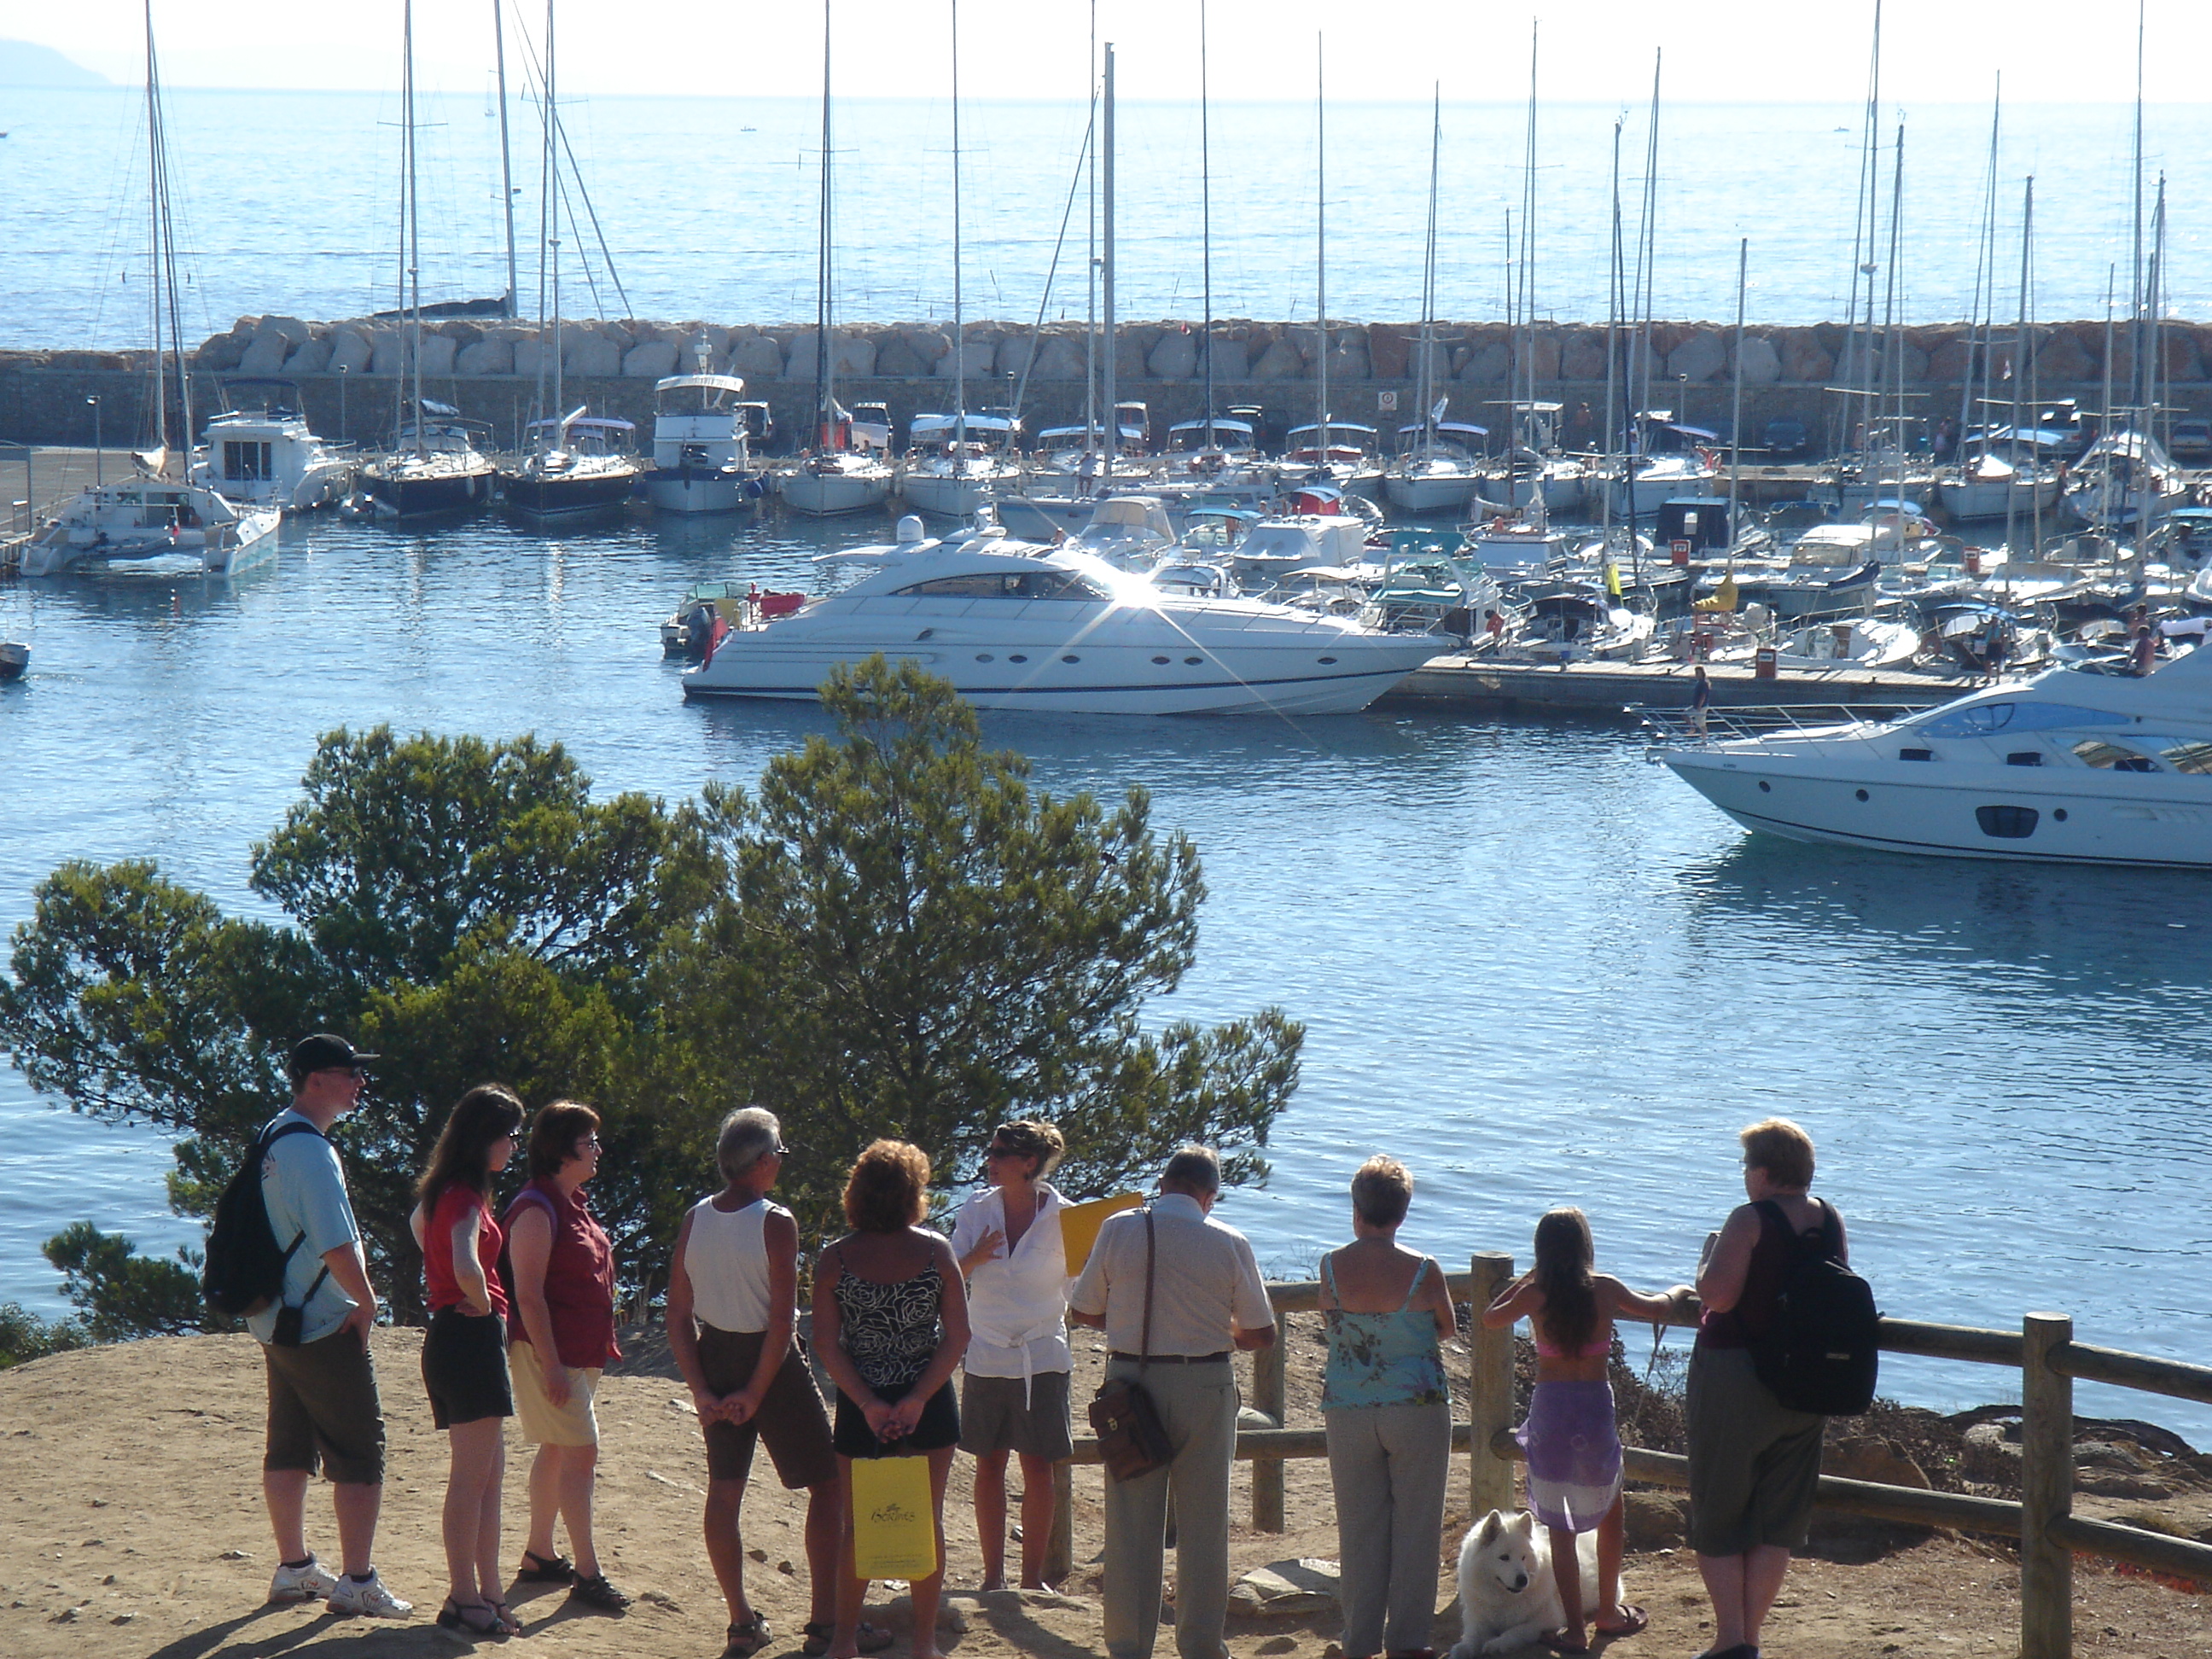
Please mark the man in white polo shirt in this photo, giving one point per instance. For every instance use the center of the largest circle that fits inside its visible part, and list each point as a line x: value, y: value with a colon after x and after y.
x: 1207, y: 1299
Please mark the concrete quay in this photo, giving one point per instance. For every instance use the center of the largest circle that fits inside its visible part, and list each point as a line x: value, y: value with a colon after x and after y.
x: 1603, y: 689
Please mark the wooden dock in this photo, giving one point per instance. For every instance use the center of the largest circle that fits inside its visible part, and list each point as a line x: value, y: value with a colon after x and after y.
x: 1606, y: 688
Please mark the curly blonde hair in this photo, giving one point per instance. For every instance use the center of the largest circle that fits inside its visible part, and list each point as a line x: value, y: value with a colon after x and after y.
x: 889, y: 1187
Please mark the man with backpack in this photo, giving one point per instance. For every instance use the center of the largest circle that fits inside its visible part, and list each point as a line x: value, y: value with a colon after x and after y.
x: 323, y: 1405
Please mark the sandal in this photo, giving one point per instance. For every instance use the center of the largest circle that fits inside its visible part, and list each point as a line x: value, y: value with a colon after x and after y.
x: 538, y: 1569
x: 596, y: 1592
x: 873, y: 1638
x: 513, y: 1625
x: 747, y: 1637
x: 1635, y: 1620
x: 477, y: 1618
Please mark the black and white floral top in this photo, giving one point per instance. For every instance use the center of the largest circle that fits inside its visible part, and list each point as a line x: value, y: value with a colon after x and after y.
x: 890, y: 1330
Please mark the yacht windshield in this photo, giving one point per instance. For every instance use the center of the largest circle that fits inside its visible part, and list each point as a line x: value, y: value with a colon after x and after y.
x: 1981, y: 719
x: 1046, y: 584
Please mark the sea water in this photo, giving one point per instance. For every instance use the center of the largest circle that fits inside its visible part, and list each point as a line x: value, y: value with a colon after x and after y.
x: 1530, y: 962
x: 289, y: 203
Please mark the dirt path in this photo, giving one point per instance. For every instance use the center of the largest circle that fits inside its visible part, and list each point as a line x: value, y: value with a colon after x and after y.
x: 131, y: 1525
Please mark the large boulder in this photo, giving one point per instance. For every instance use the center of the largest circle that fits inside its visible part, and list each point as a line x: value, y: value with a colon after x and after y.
x: 437, y: 355
x: 264, y: 354
x: 2177, y: 356
x: 1486, y: 364
x: 1348, y: 357
x: 291, y: 330
x: 592, y: 357
x: 897, y: 361
x: 350, y: 352
x: 219, y: 353
x: 855, y: 356
x: 2063, y: 358
x: 461, y: 331
x: 1133, y: 350
x: 1229, y: 362
x: 1176, y: 356
x: 387, y: 349
x: 489, y: 355
x: 1805, y: 358
x: 929, y: 345
x: 758, y: 355
x: 652, y: 361
x: 1541, y: 353
x: 1703, y: 357
x: 1581, y: 354
x: 976, y: 356
x: 1390, y: 351
x: 1059, y: 359
x: 623, y: 335
x: 1761, y: 364
x: 1282, y: 360
x: 311, y: 356
x: 528, y: 354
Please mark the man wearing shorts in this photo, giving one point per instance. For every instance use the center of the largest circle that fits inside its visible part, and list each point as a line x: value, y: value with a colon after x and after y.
x: 323, y: 1406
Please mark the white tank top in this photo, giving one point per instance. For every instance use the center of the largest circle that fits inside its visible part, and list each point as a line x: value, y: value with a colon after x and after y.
x: 727, y: 1265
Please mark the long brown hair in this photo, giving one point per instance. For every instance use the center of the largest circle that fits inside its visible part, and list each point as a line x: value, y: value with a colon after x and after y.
x: 462, y: 1157
x: 1565, y: 1257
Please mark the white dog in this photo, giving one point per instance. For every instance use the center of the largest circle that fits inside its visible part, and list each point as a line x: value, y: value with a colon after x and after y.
x: 1507, y: 1597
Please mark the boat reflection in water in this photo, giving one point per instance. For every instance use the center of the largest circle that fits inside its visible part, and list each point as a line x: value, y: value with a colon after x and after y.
x: 1017, y: 626
x: 2074, y: 766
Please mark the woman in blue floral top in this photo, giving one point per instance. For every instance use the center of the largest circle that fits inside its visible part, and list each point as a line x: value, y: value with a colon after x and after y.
x: 1389, y: 1418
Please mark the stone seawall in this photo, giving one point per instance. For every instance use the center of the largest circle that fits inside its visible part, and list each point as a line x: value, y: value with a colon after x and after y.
x: 490, y: 369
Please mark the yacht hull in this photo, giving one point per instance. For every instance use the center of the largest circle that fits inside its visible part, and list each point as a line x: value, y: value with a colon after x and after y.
x: 1431, y: 493
x: 947, y: 496
x: 424, y: 496
x: 558, y: 495
x: 675, y: 490
x: 1861, y: 800
x: 828, y: 494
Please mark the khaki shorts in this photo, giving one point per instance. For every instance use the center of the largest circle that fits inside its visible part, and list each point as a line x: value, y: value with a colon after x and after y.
x: 1754, y: 1464
x: 544, y: 1423
x: 996, y: 1415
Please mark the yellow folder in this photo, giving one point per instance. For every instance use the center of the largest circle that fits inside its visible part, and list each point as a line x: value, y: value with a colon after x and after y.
x: 894, y: 1522
x: 1079, y: 1225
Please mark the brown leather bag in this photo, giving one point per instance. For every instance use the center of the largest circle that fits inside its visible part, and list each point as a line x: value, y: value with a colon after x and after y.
x: 1132, y: 1439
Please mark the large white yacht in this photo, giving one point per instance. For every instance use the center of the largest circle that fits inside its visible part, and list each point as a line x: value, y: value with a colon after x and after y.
x: 270, y: 457
x: 1017, y: 626
x: 701, y: 458
x: 2072, y: 765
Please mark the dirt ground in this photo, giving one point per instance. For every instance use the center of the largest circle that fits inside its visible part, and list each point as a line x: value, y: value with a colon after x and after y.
x: 131, y: 1526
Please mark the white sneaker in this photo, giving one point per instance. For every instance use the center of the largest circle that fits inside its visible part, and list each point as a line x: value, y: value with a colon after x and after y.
x: 309, y: 1583
x: 371, y: 1599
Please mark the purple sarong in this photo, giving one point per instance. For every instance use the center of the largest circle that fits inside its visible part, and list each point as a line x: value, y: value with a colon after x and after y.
x: 1574, y: 1454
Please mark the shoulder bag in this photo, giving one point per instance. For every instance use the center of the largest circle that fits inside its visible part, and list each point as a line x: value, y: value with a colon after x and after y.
x: 1132, y: 1440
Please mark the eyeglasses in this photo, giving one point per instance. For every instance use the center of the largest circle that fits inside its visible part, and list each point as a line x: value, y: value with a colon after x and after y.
x: 591, y: 1141
x: 780, y: 1152
x: 511, y: 1134
x: 1000, y: 1152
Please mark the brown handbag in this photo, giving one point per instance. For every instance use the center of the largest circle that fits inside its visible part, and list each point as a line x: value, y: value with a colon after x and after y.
x: 1132, y: 1440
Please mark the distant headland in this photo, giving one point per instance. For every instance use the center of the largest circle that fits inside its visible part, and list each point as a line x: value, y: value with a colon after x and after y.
x: 25, y: 65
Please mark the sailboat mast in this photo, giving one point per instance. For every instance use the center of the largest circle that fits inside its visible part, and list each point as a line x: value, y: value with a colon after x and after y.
x: 959, y: 328
x: 560, y: 433
x: 2141, y: 369
x: 153, y: 236
x: 505, y: 157
x: 1206, y: 218
x: 824, y: 384
x: 1091, y: 259
x: 1107, y: 341
x: 1614, y: 317
x: 1985, y: 282
x: 1735, y: 406
x: 1320, y: 258
x: 1429, y: 278
x: 413, y: 230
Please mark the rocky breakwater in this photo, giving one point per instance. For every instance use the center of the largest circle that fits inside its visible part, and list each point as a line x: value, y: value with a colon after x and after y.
x: 489, y: 365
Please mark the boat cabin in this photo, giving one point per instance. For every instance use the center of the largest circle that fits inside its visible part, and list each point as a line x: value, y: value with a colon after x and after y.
x: 1333, y: 443
x: 1459, y: 438
x: 982, y: 434
x: 1236, y: 439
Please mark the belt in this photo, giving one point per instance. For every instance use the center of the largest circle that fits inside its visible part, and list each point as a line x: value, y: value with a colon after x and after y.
x: 1169, y: 1358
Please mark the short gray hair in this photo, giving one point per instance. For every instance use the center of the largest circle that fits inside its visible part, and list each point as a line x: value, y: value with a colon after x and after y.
x: 748, y: 1135
x: 1197, y: 1167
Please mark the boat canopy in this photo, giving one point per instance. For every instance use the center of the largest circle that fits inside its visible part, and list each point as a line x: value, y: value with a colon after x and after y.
x: 2197, y: 517
x: 1061, y: 436
x: 1353, y: 427
x: 729, y: 383
x: 1442, y: 428
x: 942, y: 426
x: 1219, y: 424
x: 1142, y: 513
x: 586, y: 423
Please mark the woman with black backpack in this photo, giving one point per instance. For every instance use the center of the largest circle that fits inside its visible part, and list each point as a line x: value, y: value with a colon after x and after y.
x: 1754, y: 1461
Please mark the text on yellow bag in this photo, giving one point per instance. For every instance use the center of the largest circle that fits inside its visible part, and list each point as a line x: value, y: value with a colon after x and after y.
x: 894, y: 1522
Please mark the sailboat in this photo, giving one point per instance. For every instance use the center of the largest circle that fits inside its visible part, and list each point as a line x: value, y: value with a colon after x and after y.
x: 152, y: 514
x: 958, y: 464
x: 1437, y: 473
x: 832, y: 476
x: 578, y: 463
x: 436, y: 464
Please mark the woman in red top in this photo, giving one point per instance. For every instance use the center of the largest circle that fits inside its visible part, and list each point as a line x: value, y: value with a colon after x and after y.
x: 464, y: 1354
x: 563, y: 1332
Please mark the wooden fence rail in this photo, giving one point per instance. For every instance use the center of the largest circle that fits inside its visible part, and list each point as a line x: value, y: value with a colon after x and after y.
x: 2043, y: 1351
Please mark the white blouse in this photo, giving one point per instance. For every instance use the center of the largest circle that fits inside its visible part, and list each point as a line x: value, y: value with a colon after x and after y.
x: 1016, y: 1301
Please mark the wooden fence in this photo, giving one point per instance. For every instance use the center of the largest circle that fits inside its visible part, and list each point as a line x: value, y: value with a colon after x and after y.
x: 2043, y: 1351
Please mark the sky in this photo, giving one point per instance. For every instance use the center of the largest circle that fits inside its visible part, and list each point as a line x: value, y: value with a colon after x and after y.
x: 1601, y: 51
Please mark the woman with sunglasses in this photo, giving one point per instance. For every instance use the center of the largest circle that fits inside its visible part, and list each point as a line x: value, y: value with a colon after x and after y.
x: 1014, y: 1397
x: 464, y: 1353
x: 733, y: 1328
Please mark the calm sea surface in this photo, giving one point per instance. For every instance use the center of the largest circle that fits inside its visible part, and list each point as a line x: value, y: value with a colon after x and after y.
x: 1534, y: 964
x: 287, y: 202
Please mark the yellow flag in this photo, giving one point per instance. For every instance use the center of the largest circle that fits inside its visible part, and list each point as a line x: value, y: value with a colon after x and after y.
x: 1612, y: 579
x: 1079, y: 1225
x: 894, y: 1521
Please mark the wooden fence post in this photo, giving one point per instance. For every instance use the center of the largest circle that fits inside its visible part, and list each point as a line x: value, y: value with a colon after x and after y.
x: 1268, y: 1365
x: 2046, y: 1491
x: 1490, y: 1401
x: 1060, y: 1552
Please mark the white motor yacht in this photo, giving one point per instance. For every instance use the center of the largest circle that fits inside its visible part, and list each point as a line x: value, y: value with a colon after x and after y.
x: 700, y: 458
x: 1438, y: 470
x: 2071, y: 766
x: 148, y: 518
x: 956, y: 464
x: 834, y: 481
x: 1017, y: 626
x: 270, y: 457
x: 1276, y: 547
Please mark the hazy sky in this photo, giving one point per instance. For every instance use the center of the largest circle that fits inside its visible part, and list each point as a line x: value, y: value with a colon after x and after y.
x: 1784, y: 51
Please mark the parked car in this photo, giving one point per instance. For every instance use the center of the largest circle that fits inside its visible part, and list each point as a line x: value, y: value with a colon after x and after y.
x: 2191, y: 439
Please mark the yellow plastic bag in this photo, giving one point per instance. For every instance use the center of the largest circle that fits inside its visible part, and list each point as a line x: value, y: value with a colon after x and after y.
x: 1079, y: 1225
x: 894, y: 1522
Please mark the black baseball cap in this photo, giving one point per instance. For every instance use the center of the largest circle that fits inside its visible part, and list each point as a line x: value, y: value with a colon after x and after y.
x: 325, y: 1052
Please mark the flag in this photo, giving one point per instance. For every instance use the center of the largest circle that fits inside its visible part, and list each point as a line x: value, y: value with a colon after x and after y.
x: 1612, y: 579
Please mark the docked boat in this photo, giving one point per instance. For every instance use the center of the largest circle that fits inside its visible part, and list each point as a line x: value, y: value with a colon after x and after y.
x: 2125, y: 478
x: 1277, y: 547
x: 1016, y: 626
x: 1439, y: 469
x: 958, y: 464
x: 2072, y: 765
x: 701, y: 453
x: 14, y: 660
x: 1992, y: 486
x: 270, y: 456
x: 438, y: 465
x: 149, y: 518
x: 576, y: 467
